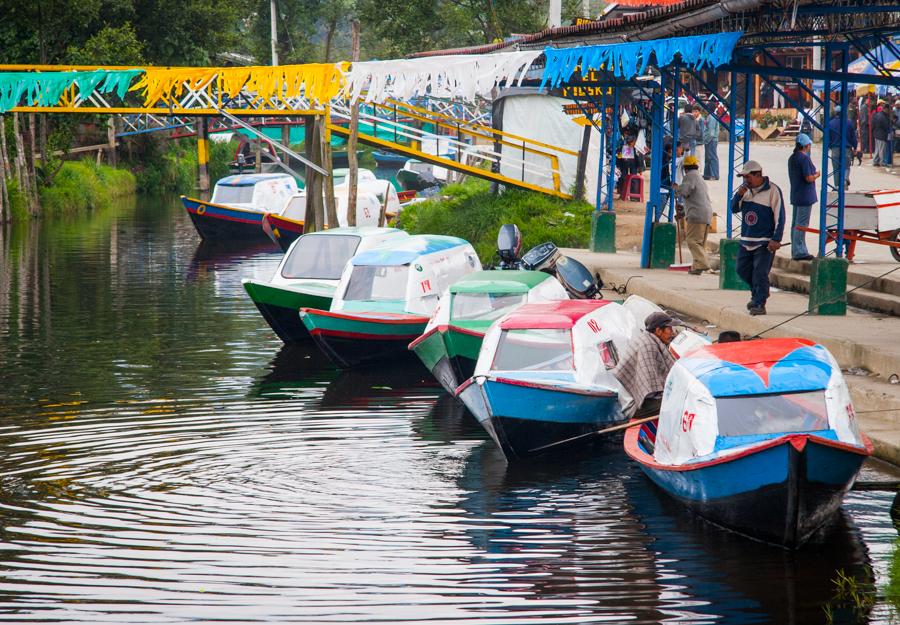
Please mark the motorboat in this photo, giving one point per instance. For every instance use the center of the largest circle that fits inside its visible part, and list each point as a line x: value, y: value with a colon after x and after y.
x: 308, y: 275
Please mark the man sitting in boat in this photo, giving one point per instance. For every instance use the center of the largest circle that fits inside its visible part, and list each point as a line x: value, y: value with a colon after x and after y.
x: 643, y: 368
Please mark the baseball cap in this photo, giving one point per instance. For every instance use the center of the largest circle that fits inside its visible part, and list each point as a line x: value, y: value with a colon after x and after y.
x: 691, y: 161
x: 803, y: 139
x: 750, y: 167
x: 660, y: 320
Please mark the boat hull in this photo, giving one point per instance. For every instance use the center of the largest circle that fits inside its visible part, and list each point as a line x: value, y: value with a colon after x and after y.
x: 449, y: 353
x: 215, y: 222
x: 779, y: 492
x: 282, y: 231
x: 351, y: 339
x: 280, y: 307
x: 526, y: 419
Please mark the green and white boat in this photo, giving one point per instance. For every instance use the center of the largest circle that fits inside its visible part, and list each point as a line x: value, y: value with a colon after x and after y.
x: 386, y: 297
x: 308, y: 275
x: 451, y: 341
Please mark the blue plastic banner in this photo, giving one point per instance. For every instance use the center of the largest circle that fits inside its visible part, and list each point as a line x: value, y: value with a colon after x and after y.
x: 626, y: 60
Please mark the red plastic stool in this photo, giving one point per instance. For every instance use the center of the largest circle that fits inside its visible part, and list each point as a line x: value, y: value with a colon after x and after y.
x: 633, y: 192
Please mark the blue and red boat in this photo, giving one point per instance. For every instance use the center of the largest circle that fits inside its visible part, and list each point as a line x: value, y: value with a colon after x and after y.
x: 758, y: 437
x: 542, y: 375
x: 235, y: 212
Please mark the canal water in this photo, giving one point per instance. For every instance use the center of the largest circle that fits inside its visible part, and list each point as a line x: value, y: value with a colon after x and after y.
x: 164, y: 459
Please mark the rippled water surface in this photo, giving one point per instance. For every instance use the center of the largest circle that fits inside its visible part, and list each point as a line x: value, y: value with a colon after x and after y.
x: 165, y: 459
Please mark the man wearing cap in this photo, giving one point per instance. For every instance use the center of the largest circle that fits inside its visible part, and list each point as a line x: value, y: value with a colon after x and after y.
x: 762, y: 226
x: 697, y: 213
x: 803, y: 176
x: 643, y: 368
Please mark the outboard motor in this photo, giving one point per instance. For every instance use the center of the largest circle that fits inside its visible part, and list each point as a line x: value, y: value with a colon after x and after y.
x: 509, y: 244
x: 541, y: 258
x: 576, y: 279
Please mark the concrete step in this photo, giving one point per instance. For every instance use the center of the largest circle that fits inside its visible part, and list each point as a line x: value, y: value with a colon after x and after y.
x: 889, y: 284
x: 865, y: 298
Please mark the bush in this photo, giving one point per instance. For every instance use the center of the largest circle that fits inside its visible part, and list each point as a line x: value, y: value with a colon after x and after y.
x: 83, y: 185
x: 470, y: 211
x: 171, y: 166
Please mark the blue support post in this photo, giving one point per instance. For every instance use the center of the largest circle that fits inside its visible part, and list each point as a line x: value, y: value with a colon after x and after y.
x: 732, y: 112
x: 676, y: 94
x: 654, y: 208
x: 602, y: 159
x: 842, y: 161
x: 614, y: 145
x: 747, y: 92
x: 826, y: 139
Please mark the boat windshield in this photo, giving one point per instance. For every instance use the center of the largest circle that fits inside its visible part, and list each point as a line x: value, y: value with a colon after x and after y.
x: 233, y: 195
x: 534, y: 350
x: 372, y: 283
x: 484, y: 305
x: 321, y: 257
x: 772, y: 414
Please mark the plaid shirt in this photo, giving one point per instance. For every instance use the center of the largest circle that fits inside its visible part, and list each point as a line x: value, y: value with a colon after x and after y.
x: 644, y: 367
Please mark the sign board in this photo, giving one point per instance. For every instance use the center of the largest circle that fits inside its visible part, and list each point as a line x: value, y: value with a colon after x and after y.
x: 572, y: 89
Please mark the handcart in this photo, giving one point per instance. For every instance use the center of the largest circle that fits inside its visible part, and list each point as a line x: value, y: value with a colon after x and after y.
x: 869, y: 217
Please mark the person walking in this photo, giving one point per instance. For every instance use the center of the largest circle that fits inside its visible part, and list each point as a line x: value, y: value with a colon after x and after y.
x: 803, y: 175
x: 697, y: 214
x: 864, y: 123
x: 881, y: 126
x: 711, y: 148
x: 761, y: 206
x: 834, y: 146
x: 688, y: 130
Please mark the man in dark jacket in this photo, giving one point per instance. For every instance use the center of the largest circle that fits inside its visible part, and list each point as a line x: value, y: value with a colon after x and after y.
x: 762, y: 226
x: 881, y: 126
x: 834, y: 144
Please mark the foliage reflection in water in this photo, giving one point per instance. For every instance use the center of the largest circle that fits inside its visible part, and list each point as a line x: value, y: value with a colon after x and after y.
x: 167, y: 459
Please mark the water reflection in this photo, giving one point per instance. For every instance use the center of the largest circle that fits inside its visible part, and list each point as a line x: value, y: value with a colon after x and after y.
x: 167, y: 459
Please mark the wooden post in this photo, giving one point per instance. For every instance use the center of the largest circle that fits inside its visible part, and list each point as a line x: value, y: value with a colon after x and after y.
x: 111, y: 139
x: 352, y: 163
x: 331, y: 220
x: 313, y: 190
x: 203, y: 156
x: 257, y: 152
x: 382, y: 214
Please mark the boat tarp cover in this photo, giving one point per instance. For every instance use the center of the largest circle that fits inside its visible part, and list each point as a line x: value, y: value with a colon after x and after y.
x: 536, y: 285
x: 689, y: 421
x: 433, y: 262
x: 591, y: 334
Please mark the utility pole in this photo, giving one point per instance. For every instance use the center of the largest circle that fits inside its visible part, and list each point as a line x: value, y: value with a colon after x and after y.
x: 353, y: 174
x: 273, y: 13
x: 555, y: 13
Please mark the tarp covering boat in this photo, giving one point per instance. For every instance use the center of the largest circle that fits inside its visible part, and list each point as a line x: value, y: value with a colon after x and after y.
x: 721, y: 398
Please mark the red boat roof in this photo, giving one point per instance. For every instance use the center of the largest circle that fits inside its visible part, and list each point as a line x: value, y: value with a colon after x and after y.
x: 555, y: 315
x: 751, y: 352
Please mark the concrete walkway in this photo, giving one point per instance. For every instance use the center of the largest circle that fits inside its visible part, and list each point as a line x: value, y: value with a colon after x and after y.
x: 866, y: 344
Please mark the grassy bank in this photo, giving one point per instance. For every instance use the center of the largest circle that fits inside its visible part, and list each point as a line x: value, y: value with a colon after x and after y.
x: 78, y: 186
x: 470, y: 211
x: 171, y: 166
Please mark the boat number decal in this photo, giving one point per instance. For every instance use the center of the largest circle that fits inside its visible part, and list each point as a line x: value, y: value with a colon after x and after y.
x: 426, y: 285
x: 594, y: 326
x: 201, y: 209
x: 366, y: 213
x: 850, y: 413
x: 687, y: 420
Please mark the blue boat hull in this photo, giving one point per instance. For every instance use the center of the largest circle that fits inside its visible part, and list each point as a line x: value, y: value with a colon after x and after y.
x: 526, y: 420
x: 215, y: 222
x: 781, y: 492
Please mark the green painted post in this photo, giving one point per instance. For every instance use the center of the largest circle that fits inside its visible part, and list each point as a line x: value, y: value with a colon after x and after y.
x: 728, y: 278
x: 828, y: 286
x: 662, y: 245
x: 603, y: 232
